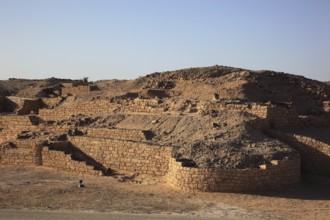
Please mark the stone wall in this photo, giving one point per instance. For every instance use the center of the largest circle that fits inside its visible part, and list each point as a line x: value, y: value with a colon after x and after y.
x: 77, y: 90
x: 52, y: 102
x: 63, y: 162
x: 11, y: 125
x: 153, y: 93
x: 275, y: 116
x: 86, y: 108
x: 315, y: 154
x: 23, y: 154
x: 278, y: 175
x: 253, y: 108
x: 21, y: 106
x: 145, y: 158
x: 114, y: 133
x: 141, y: 106
x: 282, y: 116
x: 125, y: 155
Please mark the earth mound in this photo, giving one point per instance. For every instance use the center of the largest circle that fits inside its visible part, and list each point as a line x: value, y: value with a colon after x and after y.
x: 228, y: 140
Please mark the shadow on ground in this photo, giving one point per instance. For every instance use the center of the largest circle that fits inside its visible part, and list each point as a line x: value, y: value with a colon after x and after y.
x: 311, y: 187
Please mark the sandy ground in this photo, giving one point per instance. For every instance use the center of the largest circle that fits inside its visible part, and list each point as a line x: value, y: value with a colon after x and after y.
x: 38, y: 188
x: 87, y: 215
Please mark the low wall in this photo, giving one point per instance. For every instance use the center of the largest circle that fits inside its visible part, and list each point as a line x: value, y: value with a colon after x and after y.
x: 11, y: 125
x: 63, y: 162
x: 315, y: 155
x: 24, y: 154
x: 85, y: 108
x: 279, y: 175
x: 77, y: 90
x: 141, y: 106
x: 144, y: 158
x: 259, y: 110
x: 125, y: 155
x: 282, y: 117
x: 122, y: 134
x: 22, y: 106
x: 275, y: 116
x: 52, y: 102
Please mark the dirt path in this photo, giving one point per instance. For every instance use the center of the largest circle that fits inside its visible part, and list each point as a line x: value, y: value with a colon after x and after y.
x: 67, y: 215
x: 42, y: 189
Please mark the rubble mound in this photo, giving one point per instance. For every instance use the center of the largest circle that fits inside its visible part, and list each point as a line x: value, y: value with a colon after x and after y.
x: 228, y: 141
x: 170, y: 105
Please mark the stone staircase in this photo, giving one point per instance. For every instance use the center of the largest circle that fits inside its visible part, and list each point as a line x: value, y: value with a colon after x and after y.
x: 65, y: 157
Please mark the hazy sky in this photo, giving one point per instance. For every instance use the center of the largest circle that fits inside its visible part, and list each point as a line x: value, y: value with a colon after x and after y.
x: 124, y: 39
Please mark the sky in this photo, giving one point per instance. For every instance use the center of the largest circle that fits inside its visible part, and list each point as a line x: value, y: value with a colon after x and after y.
x: 125, y: 39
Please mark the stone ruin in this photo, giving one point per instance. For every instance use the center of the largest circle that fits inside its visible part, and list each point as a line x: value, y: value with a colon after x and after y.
x: 31, y: 136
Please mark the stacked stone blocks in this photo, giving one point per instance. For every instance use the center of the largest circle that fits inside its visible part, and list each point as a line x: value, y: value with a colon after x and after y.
x: 278, y: 175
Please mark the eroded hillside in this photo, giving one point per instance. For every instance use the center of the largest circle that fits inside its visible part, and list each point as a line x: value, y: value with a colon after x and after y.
x: 213, y: 117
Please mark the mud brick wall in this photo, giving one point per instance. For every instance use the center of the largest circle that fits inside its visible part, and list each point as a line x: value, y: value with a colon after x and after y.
x: 141, y: 106
x: 153, y: 93
x: 259, y: 110
x: 272, y: 115
x: 122, y: 134
x: 315, y: 155
x: 11, y: 125
x: 125, y: 155
x: 76, y: 90
x: 280, y: 117
x: 51, y: 102
x: 70, y: 84
x: 30, y: 105
x: 24, y: 154
x: 278, y: 175
x: 59, y: 129
x: 22, y: 106
x: 63, y: 162
x: 86, y: 108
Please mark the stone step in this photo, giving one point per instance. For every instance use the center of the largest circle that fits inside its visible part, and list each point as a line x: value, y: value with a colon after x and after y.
x: 64, y: 160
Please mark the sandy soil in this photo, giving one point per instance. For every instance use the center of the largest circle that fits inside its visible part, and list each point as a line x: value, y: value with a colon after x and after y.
x: 39, y: 188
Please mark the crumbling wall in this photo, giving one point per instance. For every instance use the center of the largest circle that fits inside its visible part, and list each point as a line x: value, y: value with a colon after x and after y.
x: 21, y: 106
x: 278, y: 175
x: 121, y: 134
x: 253, y: 108
x: 275, y: 116
x: 52, y: 102
x: 141, y: 106
x: 315, y: 154
x: 77, y: 90
x: 125, y: 155
x: 153, y: 93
